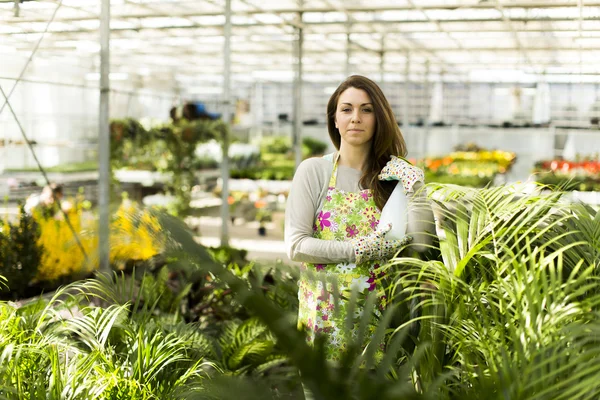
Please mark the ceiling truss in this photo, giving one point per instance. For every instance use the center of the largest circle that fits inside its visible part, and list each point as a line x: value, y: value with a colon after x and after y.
x: 182, y: 37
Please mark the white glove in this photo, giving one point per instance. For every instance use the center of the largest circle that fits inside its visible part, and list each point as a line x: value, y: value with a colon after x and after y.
x: 398, y: 169
x: 375, y: 247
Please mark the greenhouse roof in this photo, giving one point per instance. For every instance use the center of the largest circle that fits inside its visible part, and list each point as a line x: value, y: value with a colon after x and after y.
x: 488, y: 40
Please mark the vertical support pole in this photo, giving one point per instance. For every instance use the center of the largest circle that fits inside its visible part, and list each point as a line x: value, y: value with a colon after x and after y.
x: 382, y: 61
x: 427, y: 97
x: 492, y: 96
x: 258, y: 108
x: 104, y: 140
x: 405, y: 118
x: 468, y: 116
x: 348, y: 49
x: 297, y: 134
x: 227, y: 120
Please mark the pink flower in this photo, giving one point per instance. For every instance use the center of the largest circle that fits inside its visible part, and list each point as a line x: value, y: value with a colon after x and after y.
x: 352, y: 231
x: 324, y: 219
x: 320, y: 267
x: 328, y: 198
x: 365, y: 195
x: 325, y: 317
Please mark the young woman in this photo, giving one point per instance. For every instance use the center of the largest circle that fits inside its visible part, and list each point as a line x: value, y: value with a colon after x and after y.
x: 334, y: 206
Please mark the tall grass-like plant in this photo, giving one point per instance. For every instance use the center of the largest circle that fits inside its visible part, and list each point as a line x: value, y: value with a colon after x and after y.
x: 63, y: 349
x: 512, y: 310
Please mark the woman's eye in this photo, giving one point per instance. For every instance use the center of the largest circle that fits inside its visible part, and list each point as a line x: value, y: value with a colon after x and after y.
x: 345, y: 109
x: 367, y: 110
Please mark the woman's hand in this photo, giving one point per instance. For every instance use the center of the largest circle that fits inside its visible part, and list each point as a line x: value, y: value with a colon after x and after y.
x: 375, y: 247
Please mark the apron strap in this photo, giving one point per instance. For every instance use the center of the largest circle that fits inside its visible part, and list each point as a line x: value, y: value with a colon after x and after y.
x: 333, y: 178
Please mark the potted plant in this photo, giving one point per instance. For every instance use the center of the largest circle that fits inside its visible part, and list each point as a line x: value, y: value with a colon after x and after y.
x: 263, y: 215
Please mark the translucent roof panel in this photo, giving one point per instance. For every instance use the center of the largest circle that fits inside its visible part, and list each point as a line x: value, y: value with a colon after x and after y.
x: 166, y: 38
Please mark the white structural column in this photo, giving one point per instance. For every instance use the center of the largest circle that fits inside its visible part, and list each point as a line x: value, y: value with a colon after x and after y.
x: 298, y: 50
x: 436, y: 108
x: 348, y: 49
x: 405, y: 118
x: 104, y: 140
x: 427, y: 99
x: 382, y: 61
x: 227, y: 120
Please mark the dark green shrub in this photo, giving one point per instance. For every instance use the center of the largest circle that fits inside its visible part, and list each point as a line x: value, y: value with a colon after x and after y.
x: 277, y: 145
x: 20, y: 254
x: 314, y: 146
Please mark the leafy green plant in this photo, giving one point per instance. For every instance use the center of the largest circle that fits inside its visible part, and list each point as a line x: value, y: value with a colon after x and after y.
x: 469, y: 181
x: 106, y: 353
x: 247, y: 346
x: 511, y: 310
x: 20, y: 255
x: 276, y: 161
x: 312, y: 147
x: 280, y: 173
x: 168, y: 148
x: 229, y: 255
x: 275, y: 145
x: 507, y: 308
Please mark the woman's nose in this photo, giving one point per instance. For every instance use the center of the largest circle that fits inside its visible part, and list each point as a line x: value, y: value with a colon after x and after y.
x: 355, y: 117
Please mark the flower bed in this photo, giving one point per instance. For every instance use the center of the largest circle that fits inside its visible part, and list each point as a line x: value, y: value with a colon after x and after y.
x: 475, y: 168
x: 40, y: 252
x: 569, y: 175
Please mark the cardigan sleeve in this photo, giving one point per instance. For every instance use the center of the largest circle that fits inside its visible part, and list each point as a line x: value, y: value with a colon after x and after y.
x: 309, y: 187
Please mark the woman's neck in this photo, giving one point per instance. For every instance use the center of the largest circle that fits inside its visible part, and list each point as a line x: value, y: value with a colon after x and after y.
x: 353, y: 157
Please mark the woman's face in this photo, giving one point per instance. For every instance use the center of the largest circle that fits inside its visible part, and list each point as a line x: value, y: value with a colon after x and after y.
x: 355, y: 117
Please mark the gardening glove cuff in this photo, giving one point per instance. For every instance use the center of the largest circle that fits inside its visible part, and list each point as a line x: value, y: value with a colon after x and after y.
x: 375, y: 247
x: 398, y: 169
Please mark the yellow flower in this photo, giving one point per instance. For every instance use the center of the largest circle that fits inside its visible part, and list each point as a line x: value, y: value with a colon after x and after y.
x: 135, y: 235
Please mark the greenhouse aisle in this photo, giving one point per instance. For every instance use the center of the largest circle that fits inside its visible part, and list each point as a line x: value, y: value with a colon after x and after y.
x: 244, y: 235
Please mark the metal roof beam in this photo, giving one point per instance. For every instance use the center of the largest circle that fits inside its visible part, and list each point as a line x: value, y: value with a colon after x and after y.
x: 398, y: 52
x: 318, y: 23
x: 350, y: 9
x: 512, y: 29
x: 67, y: 34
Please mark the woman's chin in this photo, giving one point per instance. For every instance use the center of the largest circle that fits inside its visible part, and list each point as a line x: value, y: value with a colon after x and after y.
x: 357, y: 142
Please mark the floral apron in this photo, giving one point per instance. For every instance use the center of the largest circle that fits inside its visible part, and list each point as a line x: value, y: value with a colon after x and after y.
x: 344, y: 216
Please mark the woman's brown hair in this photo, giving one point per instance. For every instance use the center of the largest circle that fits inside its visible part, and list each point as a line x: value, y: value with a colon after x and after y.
x: 387, y: 139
